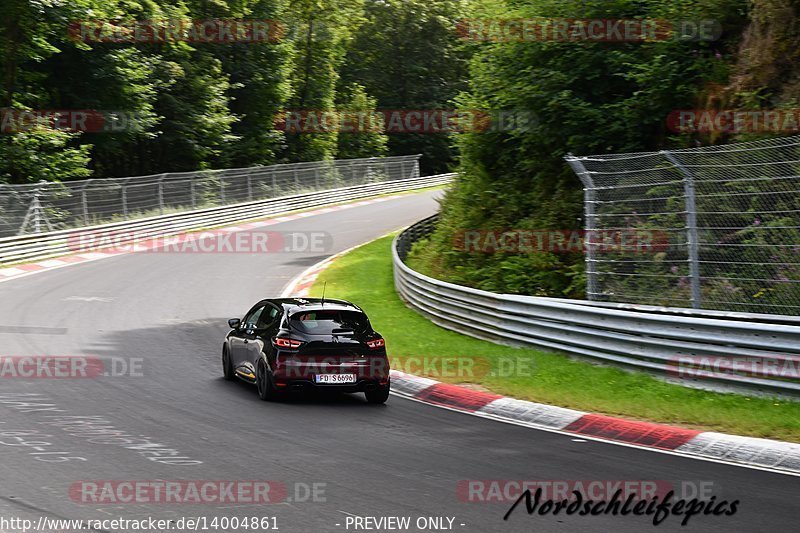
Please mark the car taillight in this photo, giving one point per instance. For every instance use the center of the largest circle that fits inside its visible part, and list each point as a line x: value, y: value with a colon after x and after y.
x: 377, y: 343
x: 282, y: 342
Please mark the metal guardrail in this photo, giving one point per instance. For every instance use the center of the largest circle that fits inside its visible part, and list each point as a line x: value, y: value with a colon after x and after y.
x: 48, y: 206
x: 656, y: 339
x: 55, y: 243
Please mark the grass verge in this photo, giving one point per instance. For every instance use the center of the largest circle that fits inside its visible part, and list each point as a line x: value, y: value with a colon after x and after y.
x: 364, y: 276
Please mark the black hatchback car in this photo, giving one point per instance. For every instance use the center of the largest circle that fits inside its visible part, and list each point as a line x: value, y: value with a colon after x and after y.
x: 290, y: 344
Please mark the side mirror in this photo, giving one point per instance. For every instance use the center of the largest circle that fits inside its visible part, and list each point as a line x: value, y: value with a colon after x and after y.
x: 234, y: 323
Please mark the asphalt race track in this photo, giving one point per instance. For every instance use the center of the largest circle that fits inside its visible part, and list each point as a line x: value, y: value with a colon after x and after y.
x: 165, y: 313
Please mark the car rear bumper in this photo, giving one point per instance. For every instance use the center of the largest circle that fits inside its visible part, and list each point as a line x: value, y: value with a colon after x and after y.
x: 299, y: 385
x: 375, y: 369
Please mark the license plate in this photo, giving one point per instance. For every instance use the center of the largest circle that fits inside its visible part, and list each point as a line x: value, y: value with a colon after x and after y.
x: 335, y: 379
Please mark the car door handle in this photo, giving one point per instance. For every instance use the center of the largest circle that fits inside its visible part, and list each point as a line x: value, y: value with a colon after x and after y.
x: 246, y: 341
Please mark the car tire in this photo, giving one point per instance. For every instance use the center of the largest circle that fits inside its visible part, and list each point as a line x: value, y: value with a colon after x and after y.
x: 266, y: 390
x: 378, y: 395
x: 227, y: 365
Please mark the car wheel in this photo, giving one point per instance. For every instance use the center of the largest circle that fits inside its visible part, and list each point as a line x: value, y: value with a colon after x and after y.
x: 266, y: 390
x: 227, y: 365
x: 378, y: 395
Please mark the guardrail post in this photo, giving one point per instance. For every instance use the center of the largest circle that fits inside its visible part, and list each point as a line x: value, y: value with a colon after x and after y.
x: 192, y: 186
x: 691, y: 229
x: 589, y: 199
x: 274, y: 183
x: 222, y: 189
x: 249, y: 186
x: 296, y: 180
x: 316, y: 178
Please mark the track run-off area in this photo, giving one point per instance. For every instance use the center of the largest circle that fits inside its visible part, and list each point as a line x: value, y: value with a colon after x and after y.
x: 80, y: 448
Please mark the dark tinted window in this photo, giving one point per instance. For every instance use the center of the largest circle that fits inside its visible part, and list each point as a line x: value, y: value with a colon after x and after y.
x: 260, y: 317
x: 325, y: 322
x: 251, y: 321
x: 267, y: 317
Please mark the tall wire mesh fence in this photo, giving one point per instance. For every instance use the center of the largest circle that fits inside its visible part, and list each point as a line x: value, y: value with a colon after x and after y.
x: 728, y: 215
x: 47, y: 205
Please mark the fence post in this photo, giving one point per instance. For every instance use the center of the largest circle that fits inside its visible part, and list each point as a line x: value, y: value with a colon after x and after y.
x: 37, y: 218
x: 368, y: 175
x: 589, y: 198
x: 85, y: 203
x: 36, y: 212
x: 691, y: 228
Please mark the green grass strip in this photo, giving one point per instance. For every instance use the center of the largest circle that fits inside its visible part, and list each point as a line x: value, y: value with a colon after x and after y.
x: 364, y: 276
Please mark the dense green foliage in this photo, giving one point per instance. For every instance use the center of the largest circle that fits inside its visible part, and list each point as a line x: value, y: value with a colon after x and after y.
x: 213, y: 105
x: 588, y: 98
x: 409, y: 56
x: 201, y: 105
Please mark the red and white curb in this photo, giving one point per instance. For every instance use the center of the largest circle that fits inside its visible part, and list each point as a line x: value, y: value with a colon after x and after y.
x: 762, y: 454
x: 154, y: 243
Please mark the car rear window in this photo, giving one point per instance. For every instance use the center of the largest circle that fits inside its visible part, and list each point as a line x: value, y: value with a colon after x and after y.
x: 324, y: 322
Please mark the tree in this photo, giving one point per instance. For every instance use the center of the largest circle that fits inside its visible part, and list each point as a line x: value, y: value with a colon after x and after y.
x: 587, y: 97
x: 42, y: 154
x: 31, y: 32
x: 259, y: 75
x: 320, y: 31
x: 409, y: 57
x: 355, y: 101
